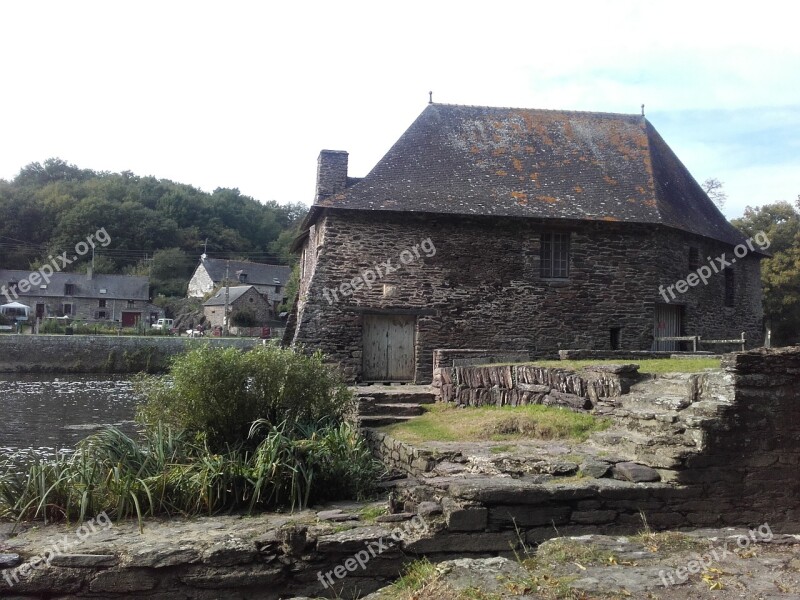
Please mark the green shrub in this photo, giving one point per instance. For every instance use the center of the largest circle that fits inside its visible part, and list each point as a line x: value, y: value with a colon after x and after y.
x: 220, y: 392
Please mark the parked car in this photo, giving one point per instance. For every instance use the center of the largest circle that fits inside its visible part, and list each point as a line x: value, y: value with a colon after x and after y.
x: 163, y: 324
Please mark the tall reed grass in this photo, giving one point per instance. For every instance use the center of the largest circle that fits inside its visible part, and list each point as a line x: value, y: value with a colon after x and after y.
x: 175, y: 473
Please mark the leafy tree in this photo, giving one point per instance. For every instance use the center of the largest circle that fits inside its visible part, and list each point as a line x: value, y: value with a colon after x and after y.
x: 780, y: 274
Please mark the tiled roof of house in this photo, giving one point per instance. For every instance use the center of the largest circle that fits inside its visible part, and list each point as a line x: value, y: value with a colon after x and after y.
x: 472, y: 160
x: 235, y: 293
x: 122, y: 287
x: 257, y: 273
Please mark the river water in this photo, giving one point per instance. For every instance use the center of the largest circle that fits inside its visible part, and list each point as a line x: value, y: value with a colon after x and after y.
x: 51, y: 412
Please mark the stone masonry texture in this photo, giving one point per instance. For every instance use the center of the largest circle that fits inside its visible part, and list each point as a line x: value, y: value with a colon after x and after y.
x: 482, y: 287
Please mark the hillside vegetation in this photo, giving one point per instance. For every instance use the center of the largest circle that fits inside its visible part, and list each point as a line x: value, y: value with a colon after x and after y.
x: 157, y: 227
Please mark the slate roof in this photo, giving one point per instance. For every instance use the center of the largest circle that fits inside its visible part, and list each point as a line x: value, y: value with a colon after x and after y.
x: 218, y: 299
x: 473, y: 160
x: 257, y: 273
x: 121, y: 287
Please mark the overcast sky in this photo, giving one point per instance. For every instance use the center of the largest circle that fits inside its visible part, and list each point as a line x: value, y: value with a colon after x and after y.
x: 246, y: 94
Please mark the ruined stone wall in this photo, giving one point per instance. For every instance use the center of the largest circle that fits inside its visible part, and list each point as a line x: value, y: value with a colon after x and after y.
x: 482, y: 287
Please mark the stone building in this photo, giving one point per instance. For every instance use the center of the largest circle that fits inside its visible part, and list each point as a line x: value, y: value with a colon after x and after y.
x: 269, y: 280
x: 517, y: 229
x: 97, y: 298
x: 241, y: 298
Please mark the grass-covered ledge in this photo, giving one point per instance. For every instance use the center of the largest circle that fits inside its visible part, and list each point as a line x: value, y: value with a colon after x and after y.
x: 447, y: 423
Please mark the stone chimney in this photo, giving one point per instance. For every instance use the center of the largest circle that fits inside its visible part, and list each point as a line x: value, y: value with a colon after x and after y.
x: 331, y: 173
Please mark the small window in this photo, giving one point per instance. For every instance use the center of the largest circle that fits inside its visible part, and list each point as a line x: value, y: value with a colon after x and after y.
x: 730, y: 287
x: 131, y: 303
x: 277, y: 289
x: 69, y: 289
x: 615, y: 337
x: 694, y: 259
x: 554, y: 257
x: 101, y: 303
x: 67, y: 309
x: 102, y: 315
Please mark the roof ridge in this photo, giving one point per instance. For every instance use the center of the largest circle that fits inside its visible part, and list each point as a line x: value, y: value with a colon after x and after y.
x: 548, y: 110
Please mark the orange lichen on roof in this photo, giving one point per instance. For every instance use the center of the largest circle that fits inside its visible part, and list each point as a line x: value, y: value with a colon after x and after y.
x: 498, y: 151
x: 530, y: 149
x: 641, y: 190
x: 609, y: 180
x: 610, y: 219
x: 548, y: 199
x: 517, y: 164
x: 501, y: 172
x: 578, y: 189
x: 651, y: 203
x: 520, y: 197
x: 474, y: 149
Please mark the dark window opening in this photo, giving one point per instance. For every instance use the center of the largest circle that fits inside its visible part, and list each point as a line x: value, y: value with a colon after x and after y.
x: 554, y: 257
x: 69, y: 289
x: 242, y: 277
x: 67, y: 310
x: 102, y: 315
x: 131, y: 303
x: 694, y: 259
x: 277, y: 289
x: 101, y: 303
x: 615, y: 337
x: 730, y: 287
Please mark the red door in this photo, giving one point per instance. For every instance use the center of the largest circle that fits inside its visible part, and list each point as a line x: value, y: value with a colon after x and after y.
x: 130, y: 319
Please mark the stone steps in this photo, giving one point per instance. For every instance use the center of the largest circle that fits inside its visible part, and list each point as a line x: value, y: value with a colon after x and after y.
x: 381, y: 420
x: 398, y: 409
x: 379, y: 406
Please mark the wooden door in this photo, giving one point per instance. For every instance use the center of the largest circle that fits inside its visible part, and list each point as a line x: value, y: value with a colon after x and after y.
x: 668, y: 323
x: 130, y: 319
x: 388, y: 348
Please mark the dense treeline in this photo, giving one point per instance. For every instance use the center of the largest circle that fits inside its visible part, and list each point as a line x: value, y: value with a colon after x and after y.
x: 157, y: 227
x: 780, y: 273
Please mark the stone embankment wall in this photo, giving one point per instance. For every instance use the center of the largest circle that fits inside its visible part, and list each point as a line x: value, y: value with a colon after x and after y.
x: 513, y: 385
x: 98, y: 354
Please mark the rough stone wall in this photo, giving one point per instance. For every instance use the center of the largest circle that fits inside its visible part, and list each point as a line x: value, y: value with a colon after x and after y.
x: 97, y: 354
x: 482, y: 287
x: 750, y: 463
x: 200, y: 283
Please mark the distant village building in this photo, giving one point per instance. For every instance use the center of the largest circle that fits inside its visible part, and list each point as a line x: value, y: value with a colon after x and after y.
x: 88, y: 297
x: 269, y: 280
x: 515, y: 229
x: 241, y: 299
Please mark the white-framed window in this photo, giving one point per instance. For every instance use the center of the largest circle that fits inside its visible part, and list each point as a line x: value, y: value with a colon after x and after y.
x: 554, y: 255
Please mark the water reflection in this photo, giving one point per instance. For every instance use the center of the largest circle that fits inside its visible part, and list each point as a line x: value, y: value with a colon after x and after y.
x: 48, y: 412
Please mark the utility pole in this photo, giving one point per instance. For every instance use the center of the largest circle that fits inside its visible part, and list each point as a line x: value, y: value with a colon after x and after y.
x: 227, y: 299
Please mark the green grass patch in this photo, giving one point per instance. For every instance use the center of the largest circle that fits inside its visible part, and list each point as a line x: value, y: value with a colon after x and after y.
x: 446, y: 423
x: 370, y: 513
x: 649, y: 365
x: 415, y: 576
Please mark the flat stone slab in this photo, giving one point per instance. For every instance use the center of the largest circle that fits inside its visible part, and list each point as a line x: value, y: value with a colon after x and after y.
x: 631, y: 471
x: 84, y: 560
x: 8, y: 561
